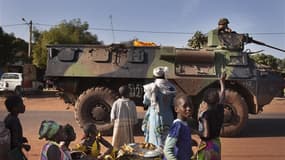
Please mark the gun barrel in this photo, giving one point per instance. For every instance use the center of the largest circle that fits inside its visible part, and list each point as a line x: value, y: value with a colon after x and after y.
x: 263, y: 44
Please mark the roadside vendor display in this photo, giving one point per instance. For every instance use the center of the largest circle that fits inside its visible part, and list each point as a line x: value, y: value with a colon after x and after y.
x: 140, y: 151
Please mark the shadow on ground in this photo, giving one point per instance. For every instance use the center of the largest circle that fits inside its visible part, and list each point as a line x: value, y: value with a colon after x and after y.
x: 35, y: 94
x: 264, y: 128
x: 43, y: 94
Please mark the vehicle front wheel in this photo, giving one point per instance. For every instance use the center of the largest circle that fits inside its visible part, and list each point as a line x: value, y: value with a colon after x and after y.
x: 94, y: 106
x: 235, y: 114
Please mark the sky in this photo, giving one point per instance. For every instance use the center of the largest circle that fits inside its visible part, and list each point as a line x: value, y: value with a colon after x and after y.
x: 165, y: 22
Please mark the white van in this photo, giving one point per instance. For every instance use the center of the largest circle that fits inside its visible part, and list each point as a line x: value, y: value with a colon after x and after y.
x: 11, y: 81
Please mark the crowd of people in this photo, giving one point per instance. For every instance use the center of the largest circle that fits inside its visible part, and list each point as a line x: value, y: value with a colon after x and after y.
x: 165, y: 124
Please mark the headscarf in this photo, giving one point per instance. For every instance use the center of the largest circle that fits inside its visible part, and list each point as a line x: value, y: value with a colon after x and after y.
x: 162, y: 85
x: 160, y: 71
x: 48, y: 129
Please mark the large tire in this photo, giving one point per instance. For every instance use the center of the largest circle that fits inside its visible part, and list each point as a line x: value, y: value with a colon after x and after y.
x: 94, y: 106
x: 235, y: 114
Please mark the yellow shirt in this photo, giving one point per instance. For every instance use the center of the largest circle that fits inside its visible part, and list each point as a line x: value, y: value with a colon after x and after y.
x: 94, y: 149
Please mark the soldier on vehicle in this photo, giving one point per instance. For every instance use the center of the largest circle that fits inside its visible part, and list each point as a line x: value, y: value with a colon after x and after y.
x: 223, y: 37
x: 223, y: 26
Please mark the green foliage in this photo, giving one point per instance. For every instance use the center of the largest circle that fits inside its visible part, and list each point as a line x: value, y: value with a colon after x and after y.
x: 281, y: 64
x: 199, y: 40
x: 72, y: 32
x: 269, y: 60
x: 11, y: 48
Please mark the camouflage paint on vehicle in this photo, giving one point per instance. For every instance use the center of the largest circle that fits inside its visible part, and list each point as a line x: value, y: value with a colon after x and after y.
x: 89, y: 76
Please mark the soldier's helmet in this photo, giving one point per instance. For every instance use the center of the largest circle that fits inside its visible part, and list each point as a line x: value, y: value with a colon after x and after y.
x: 223, y: 21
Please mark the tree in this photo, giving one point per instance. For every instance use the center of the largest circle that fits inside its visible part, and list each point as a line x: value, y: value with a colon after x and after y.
x: 281, y: 64
x: 12, y: 49
x: 72, y: 32
x: 267, y: 60
x: 198, y: 41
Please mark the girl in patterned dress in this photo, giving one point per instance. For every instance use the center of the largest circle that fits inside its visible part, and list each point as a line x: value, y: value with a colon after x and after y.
x: 210, y: 123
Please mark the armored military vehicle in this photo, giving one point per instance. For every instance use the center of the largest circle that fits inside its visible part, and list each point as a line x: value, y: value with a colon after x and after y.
x: 88, y: 76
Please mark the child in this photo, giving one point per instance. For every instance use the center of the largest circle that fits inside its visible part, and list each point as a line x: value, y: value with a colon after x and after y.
x: 124, y: 117
x: 178, y: 141
x: 54, y: 133
x: 15, y: 106
x: 210, y: 123
x: 91, y: 141
x: 70, y: 136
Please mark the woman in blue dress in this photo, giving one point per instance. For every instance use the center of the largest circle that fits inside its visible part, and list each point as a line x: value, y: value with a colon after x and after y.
x: 158, y: 98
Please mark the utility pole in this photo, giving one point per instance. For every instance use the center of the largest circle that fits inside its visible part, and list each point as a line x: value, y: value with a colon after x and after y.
x: 112, y: 27
x: 30, y: 38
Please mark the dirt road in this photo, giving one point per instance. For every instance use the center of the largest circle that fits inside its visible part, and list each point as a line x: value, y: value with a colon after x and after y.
x: 262, y: 139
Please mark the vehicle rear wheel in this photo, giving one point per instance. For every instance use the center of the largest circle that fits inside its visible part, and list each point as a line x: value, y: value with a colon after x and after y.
x: 235, y: 114
x: 94, y: 106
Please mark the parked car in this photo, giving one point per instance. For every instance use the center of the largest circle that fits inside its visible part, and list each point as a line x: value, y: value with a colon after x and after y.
x: 14, y: 82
